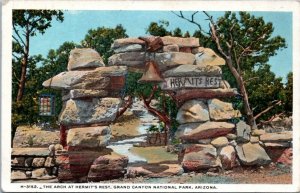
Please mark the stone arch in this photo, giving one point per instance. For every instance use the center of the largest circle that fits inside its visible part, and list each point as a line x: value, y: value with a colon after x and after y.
x: 192, y: 74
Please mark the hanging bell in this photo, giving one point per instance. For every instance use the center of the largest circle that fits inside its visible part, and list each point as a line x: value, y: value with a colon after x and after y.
x: 151, y: 74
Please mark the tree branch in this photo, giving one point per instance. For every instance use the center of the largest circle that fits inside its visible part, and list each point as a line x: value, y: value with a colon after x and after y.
x: 17, y: 32
x: 128, y: 103
x: 266, y: 110
x: 192, y: 20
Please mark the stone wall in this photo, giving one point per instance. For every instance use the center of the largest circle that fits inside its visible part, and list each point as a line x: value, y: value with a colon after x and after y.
x: 33, y: 163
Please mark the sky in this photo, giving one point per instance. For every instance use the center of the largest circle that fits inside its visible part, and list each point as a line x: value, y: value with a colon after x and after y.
x: 77, y: 23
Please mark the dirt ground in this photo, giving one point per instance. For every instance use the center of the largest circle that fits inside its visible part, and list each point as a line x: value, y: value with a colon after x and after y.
x: 125, y: 127
x: 279, y: 174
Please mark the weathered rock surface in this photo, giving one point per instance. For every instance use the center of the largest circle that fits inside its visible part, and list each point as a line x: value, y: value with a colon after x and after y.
x: 277, y: 137
x: 196, y: 131
x: 169, y: 60
x: 89, y: 136
x: 82, y: 93
x: 231, y: 136
x: 278, y: 145
x: 96, y: 110
x: 279, y: 124
x: 219, y: 142
x: 181, y: 42
x: 154, y: 170
x: 197, y: 157
x: 207, y: 57
x: 84, y: 58
x: 130, y: 59
x: 171, y: 48
x: 49, y: 162
x: 38, y: 173
x: 38, y: 162
x: 30, y: 152
x: 254, y: 139
x: 108, y: 167
x: 18, y: 175
x: 228, y: 157
x: 258, y: 132
x: 18, y: 161
x: 34, y: 136
x: 193, y: 111
x: 219, y: 110
x: 126, y: 41
x: 188, y: 94
x: 243, y: 131
x: 224, y: 84
x: 193, y: 70
x: 281, y: 155
x: 129, y: 48
x: 252, y: 154
x: 97, y: 79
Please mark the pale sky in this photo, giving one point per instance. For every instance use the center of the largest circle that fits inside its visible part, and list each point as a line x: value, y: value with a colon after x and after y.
x: 77, y: 23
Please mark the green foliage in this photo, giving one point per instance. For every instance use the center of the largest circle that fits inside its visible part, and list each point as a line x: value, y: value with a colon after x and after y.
x: 159, y: 29
x: 101, y: 39
x: 287, y: 94
x: 35, y: 20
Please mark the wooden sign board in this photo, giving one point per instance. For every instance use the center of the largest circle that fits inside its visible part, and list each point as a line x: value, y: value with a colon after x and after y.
x: 174, y: 83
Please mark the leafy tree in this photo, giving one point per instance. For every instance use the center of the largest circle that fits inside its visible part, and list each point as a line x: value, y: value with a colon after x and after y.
x: 27, y: 23
x: 244, y: 41
x: 158, y: 29
x: 177, y: 32
x: 101, y: 39
x: 287, y: 96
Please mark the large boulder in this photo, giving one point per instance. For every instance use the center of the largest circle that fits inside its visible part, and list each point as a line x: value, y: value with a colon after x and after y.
x: 193, y: 111
x: 89, y: 136
x: 18, y: 175
x: 35, y: 136
x: 167, y: 60
x: 83, y: 93
x: 154, y: 170
x: 84, y: 58
x: 243, y: 132
x: 129, y: 48
x: 196, y: 131
x: 171, y: 48
x: 281, y: 155
x: 101, y: 78
x: 203, y: 93
x: 197, y: 157
x: 193, y: 70
x: 181, y: 42
x: 126, y: 41
x: 108, y: 167
x: 219, y: 110
x: 207, y: 57
x: 94, y: 110
x: 130, y: 59
x: 277, y: 137
x: 252, y: 154
x: 228, y: 157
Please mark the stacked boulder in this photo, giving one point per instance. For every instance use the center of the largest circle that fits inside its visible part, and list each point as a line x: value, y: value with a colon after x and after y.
x: 192, y: 75
x: 91, y: 97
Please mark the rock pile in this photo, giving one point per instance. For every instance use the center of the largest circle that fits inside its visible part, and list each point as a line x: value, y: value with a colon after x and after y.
x: 91, y: 95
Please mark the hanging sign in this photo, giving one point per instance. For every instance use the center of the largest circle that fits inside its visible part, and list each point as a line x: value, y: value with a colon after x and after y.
x: 173, y: 83
x: 46, y: 105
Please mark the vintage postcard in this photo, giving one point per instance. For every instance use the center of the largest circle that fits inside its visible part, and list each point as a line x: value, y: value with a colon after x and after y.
x: 150, y: 96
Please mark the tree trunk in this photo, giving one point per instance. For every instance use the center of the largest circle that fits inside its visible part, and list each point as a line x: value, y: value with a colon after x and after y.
x: 24, y: 64
x: 22, y: 79
x: 241, y: 85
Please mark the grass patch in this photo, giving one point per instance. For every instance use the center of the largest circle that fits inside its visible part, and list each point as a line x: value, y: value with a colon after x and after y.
x: 154, y: 154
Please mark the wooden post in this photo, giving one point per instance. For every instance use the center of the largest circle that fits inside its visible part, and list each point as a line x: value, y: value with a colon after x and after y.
x: 63, y: 135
